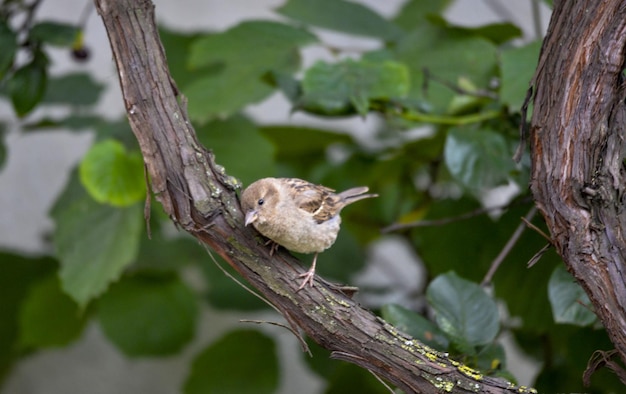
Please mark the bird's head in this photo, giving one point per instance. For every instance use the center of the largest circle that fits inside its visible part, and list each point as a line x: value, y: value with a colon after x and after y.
x: 259, y: 200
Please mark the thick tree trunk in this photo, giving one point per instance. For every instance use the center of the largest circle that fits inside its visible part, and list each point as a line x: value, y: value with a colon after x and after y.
x: 201, y: 199
x: 577, y: 142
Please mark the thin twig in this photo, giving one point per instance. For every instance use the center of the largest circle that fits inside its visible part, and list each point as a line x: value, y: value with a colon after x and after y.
x: 293, y: 328
x: 533, y: 260
x: 248, y: 289
x: 536, y: 15
x: 523, y: 126
x: 507, y: 247
x: 444, y: 221
x: 480, y: 93
x: 354, y: 359
x: 538, y: 230
x: 303, y: 343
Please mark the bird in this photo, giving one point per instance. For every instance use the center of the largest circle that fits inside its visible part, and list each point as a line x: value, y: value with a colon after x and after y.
x: 299, y: 215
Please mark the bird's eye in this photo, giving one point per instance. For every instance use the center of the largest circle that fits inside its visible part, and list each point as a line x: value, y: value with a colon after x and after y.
x: 261, y: 201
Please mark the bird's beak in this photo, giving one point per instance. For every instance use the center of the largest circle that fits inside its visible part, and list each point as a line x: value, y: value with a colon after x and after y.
x: 251, y: 216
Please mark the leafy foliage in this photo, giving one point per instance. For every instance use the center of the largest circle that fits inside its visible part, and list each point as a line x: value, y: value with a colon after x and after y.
x: 148, y: 315
x: 215, y: 370
x: 446, y: 99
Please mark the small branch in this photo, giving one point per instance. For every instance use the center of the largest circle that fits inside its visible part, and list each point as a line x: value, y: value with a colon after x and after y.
x: 444, y: 221
x: 449, y: 120
x: 480, y: 93
x: 508, y: 246
x: 536, y: 15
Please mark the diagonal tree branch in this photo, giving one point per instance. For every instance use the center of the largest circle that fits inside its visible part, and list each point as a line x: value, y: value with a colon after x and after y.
x: 197, y: 195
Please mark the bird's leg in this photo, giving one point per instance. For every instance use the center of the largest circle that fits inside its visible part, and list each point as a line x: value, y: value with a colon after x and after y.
x: 274, y: 246
x: 308, y: 276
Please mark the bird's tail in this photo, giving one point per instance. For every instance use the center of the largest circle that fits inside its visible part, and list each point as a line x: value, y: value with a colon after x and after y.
x: 355, y: 194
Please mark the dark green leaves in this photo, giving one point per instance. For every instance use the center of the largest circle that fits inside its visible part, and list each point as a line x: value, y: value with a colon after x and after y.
x: 413, y: 12
x: 19, y: 276
x: 478, y: 159
x: 94, y: 242
x: 342, y: 16
x: 49, y: 317
x: 239, y: 147
x: 518, y: 67
x: 463, y: 310
x: 446, y: 56
x: 73, y: 89
x: 8, y: 43
x: 28, y: 85
x: 240, y: 58
x: 149, y: 315
x: 242, y: 362
x: 335, y: 88
x: 54, y: 33
x: 570, y: 303
x: 415, y: 325
x: 112, y: 175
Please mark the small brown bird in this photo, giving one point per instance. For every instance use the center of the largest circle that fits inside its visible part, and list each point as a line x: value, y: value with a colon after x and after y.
x: 299, y: 215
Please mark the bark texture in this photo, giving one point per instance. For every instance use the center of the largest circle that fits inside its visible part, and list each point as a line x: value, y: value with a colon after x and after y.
x: 577, y: 142
x: 198, y: 195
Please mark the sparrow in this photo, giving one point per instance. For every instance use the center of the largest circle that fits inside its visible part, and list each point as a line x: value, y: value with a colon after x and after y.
x: 298, y: 215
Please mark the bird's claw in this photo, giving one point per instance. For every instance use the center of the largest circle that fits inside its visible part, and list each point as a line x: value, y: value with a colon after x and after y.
x: 308, y: 278
x: 273, y: 246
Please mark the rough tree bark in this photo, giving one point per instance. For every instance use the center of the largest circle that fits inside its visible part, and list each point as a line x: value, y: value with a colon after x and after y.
x: 198, y: 195
x: 577, y: 142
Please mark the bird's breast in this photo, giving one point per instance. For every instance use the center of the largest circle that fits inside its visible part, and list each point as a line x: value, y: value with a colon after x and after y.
x: 301, y: 234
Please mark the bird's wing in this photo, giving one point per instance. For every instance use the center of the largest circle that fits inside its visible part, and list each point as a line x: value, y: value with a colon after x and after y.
x: 319, y: 201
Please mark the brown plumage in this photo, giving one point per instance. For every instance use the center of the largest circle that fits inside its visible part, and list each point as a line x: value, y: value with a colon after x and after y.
x: 299, y: 215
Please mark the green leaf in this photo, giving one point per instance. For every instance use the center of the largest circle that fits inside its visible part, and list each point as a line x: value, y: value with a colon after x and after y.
x: 430, y: 47
x: 250, y: 158
x: 49, y: 317
x: 491, y: 358
x: 177, y: 48
x: 27, y: 87
x: 478, y: 159
x: 94, y: 242
x: 113, y: 176
x: 463, y: 310
x: 55, y: 33
x: 161, y: 253
x: 148, y: 315
x: 340, y: 15
x: 223, y: 292
x: 350, y: 378
x: 334, y: 88
x: 518, y: 67
x: 300, y: 143
x: 241, y: 57
x: 413, y: 12
x: 497, y: 33
x: 8, y: 43
x: 18, y: 274
x: 73, y: 89
x: 415, y: 325
x: 241, y: 362
x: 570, y: 304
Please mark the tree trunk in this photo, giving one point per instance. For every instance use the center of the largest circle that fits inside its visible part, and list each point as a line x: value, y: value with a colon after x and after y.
x: 202, y: 199
x: 577, y: 141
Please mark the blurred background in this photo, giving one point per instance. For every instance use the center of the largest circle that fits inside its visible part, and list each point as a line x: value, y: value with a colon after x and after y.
x: 38, y: 164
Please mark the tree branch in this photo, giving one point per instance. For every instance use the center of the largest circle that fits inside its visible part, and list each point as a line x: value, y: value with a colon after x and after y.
x: 577, y: 142
x: 198, y: 196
